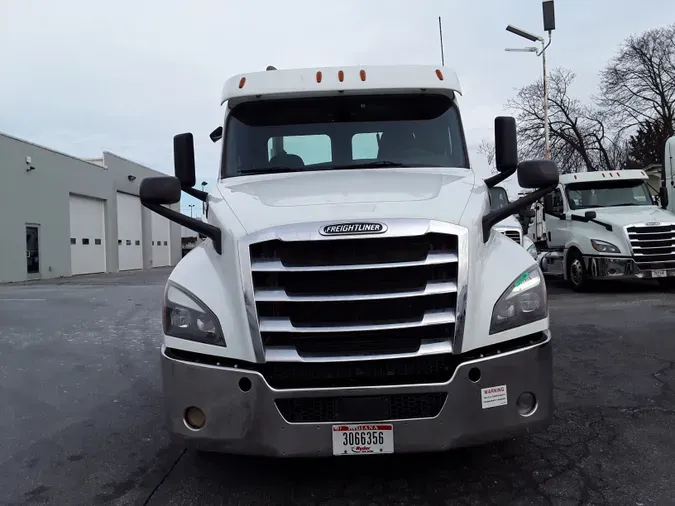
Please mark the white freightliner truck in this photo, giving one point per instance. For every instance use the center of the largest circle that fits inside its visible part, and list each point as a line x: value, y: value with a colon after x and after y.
x: 605, y: 225
x: 352, y: 296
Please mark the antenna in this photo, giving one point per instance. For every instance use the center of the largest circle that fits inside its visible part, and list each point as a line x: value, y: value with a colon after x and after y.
x: 440, y: 31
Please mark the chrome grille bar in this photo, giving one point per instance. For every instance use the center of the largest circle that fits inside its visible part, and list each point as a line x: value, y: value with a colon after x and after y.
x: 339, y: 297
x: 653, y: 246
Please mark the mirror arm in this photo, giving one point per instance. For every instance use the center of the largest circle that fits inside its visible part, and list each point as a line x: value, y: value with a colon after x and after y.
x: 499, y: 177
x: 494, y: 217
x: 198, y: 226
x: 198, y: 194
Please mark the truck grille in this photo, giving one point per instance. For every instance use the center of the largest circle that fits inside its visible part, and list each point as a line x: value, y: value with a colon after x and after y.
x: 513, y: 234
x: 361, y: 409
x: 365, y: 296
x: 653, y: 247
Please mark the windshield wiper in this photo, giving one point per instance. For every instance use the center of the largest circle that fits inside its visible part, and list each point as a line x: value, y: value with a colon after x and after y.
x: 382, y: 164
x: 270, y: 170
x: 626, y: 204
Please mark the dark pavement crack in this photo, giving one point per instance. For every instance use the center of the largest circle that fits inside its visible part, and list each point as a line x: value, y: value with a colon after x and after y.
x: 166, y: 475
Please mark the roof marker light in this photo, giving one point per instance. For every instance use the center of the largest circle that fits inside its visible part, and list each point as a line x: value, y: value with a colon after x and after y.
x: 618, y: 175
x: 439, y: 74
x: 611, y: 175
x: 363, y: 75
x: 242, y: 82
x: 603, y: 174
x: 575, y: 177
x: 341, y: 75
x: 318, y: 76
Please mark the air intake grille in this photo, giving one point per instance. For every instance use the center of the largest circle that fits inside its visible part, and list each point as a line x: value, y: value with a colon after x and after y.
x: 361, y: 409
x: 513, y: 234
x: 653, y: 247
x: 360, y: 296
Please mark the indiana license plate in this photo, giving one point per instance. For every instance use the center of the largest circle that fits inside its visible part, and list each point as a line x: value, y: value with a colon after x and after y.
x: 363, y: 439
x: 660, y: 273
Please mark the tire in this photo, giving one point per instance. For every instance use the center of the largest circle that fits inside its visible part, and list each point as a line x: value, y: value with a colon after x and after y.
x: 577, y: 275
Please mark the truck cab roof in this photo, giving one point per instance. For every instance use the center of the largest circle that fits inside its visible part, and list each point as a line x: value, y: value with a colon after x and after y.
x: 326, y: 81
x: 602, y: 175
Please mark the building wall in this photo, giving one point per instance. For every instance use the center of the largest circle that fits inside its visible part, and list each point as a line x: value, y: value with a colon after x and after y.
x: 41, y: 196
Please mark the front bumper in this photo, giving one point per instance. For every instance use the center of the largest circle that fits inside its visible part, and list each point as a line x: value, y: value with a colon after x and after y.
x: 621, y: 267
x: 250, y: 422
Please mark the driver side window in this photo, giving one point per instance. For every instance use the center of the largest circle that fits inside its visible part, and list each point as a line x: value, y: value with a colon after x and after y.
x: 555, y: 203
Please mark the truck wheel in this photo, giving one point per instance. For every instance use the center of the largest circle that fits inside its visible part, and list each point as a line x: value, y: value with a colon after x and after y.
x: 576, y: 272
x: 667, y: 283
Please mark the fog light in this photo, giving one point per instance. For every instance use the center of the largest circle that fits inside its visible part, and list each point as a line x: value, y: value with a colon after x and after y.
x: 526, y: 404
x: 194, y: 418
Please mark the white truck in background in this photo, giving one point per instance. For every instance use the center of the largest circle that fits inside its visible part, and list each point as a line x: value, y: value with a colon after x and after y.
x: 511, y: 226
x: 344, y: 303
x: 605, y: 225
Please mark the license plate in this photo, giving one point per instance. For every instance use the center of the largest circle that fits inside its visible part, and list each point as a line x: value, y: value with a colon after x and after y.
x: 660, y: 273
x: 363, y: 439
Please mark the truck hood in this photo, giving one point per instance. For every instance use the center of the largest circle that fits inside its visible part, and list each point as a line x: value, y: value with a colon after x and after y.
x: 628, y: 215
x: 270, y: 200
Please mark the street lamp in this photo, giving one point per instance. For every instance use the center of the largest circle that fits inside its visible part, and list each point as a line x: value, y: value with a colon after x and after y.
x: 191, y: 206
x: 549, y: 26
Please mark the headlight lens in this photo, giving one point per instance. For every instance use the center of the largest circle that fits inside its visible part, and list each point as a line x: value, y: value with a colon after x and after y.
x: 186, y: 317
x: 524, y: 301
x: 604, y: 246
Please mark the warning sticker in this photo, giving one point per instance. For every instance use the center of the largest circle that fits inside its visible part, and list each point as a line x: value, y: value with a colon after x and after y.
x: 493, y: 396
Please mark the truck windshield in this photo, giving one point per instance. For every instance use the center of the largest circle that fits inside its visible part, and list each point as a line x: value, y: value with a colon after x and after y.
x: 344, y: 132
x: 629, y: 192
x: 498, y: 198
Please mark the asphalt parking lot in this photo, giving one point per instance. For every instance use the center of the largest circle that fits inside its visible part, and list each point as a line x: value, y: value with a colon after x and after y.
x: 82, y: 421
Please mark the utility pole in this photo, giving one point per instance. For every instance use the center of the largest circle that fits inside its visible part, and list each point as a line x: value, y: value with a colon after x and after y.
x: 549, y: 26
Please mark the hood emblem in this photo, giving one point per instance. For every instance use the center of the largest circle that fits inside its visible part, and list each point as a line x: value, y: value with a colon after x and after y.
x: 652, y: 223
x: 353, y: 229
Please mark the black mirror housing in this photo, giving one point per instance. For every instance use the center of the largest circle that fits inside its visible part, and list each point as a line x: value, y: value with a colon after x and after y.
x: 506, y: 143
x: 184, y: 159
x: 590, y: 215
x: 530, y: 213
x: 160, y: 190
x: 537, y: 174
x: 663, y: 197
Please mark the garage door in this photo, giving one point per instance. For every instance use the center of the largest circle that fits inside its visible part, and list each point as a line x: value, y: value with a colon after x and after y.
x: 129, y: 232
x: 160, y: 241
x: 87, y: 235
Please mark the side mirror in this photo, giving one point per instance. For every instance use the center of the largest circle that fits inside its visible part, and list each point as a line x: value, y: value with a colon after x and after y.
x: 530, y: 213
x: 160, y: 190
x: 537, y: 174
x: 663, y: 197
x: 506, y: 143
x: 184, y: 159
x: 590, y: 215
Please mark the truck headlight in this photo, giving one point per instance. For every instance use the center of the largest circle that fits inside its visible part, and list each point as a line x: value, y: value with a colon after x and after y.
x: 524, y: 301
x: 186, y: 317
x: 604, y: 246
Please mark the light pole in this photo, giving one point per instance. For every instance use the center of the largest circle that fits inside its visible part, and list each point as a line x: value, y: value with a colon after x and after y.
x: 191, y: 206
x: 549, y: 26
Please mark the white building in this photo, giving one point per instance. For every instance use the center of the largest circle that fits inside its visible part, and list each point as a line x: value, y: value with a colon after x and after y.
x: 61, y: 215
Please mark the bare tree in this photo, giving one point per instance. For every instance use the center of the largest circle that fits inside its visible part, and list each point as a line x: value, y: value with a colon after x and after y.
x: 487, y: 149
x: 637, y: 86
x: 579, y: 138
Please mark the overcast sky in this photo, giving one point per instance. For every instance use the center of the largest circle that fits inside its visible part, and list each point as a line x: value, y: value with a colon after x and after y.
x: 83, y: 76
